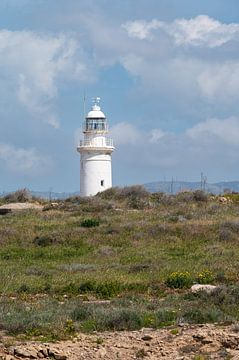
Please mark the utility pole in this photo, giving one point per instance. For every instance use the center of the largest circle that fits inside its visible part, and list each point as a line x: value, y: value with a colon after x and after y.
x: 171, y: 186
x: 203, y: 182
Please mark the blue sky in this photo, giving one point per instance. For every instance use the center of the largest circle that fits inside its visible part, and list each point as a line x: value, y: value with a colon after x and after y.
x: 167, y: 72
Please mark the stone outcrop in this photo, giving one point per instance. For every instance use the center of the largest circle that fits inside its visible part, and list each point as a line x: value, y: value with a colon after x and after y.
x: 176, y: 343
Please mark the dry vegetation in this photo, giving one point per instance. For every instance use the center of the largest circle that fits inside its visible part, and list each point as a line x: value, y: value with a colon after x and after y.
x: 60, y: 267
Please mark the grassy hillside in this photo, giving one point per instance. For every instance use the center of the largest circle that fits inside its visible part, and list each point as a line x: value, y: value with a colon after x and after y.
x: 141, y: 251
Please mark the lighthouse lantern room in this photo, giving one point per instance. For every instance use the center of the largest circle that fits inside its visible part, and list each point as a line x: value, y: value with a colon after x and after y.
x: 95, y: 150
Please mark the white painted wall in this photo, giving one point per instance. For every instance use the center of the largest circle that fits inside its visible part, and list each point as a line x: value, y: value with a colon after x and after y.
x: 95, y: 168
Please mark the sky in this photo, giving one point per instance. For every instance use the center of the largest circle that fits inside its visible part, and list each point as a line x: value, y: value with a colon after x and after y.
x: 167, y: 73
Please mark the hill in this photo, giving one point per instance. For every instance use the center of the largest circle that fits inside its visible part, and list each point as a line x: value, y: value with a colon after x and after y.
x: 177, y: 186
x: 122, y: 260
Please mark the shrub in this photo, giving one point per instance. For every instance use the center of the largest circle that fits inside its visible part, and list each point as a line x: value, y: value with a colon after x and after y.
x: 119, y: 319
x: 165, y: 317
x: 126, y: 192
x: 179, y: 280
x: 108, y: 289
x: 87, y: 286
x: 185, y: 196
x: 205, y: 277
x: 200, y: 195
x: 225, y: 234
x: 43, y: 240
x: 24, y: 288
x: 90, y: 223
x: 202, y: 316
x: 136, y: 203
x: 81, y: 312
x: 110, y: 194
x: 22, y: 195
x: 232, y: 225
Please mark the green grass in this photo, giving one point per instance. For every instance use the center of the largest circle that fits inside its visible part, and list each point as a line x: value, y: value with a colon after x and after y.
x: 139, y: 241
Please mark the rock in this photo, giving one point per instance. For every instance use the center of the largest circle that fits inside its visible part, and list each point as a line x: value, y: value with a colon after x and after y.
x: 146, y: 337
x: 21, y: 206
x: 207, y: 288
x: 102, y: 352
x: 230, y: 343
x: 44, y: 352
x: 25, y: 354
x: 40, y: 354
x: 56, y: 355
x: 60, y: 356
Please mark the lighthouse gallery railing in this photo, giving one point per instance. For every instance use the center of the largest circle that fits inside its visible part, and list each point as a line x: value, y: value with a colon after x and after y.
x: 97, y: 143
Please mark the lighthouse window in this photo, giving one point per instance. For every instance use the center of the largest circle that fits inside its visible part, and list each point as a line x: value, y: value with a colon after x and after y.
x: 102, y: 182
x: 95, y: 125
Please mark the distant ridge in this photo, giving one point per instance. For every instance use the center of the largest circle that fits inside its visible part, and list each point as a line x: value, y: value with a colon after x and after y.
x: 177, y: 186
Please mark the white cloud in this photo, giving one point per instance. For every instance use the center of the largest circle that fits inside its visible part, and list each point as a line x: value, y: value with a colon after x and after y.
x: 210, y: 146
x: 199, y: 31
x: 125, y: 133
x: 155, y: 135
x: 34, y: 64
x: 27, y: 161
x: 141, y: 29
x: 220, y: 82
x: 226, y: 130
x: 202, y: 31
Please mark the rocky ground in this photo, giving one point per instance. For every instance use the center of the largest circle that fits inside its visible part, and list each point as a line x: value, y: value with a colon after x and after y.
x: 182, y: 343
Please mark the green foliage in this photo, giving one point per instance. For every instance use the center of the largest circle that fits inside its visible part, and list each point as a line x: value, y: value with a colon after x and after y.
x: 202, y: 315
x: 69, y: 327
x: 90, y: 223
x: 165, y: 317
x: 126, y: 259
x: 103, y: 290
x: 43, y: 240
x: 87, y: 286
x: 179, y: 280
x: 205, y: 277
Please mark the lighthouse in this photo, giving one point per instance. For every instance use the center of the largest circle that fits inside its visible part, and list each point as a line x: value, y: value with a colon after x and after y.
x: 95, y: 151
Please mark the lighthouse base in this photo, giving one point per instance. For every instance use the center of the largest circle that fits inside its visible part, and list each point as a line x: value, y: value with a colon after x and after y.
x: 96, y: 173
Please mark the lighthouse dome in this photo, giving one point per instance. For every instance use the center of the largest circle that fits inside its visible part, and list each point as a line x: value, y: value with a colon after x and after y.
x: 95, y: 113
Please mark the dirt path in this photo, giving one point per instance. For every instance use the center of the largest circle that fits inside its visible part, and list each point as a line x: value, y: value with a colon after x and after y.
x: 182, y: 343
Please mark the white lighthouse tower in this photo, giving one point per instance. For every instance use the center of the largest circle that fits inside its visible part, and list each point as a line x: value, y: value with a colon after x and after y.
x: 95, y: 150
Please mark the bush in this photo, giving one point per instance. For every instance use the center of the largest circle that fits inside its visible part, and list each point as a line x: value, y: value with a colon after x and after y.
x: 136, y: 203
x: 200, y: 195
x: 90, y: 223
x: 185, y: 196
x: 108, y: 289
x: 202, y: 316
x: 232, y: 225
x: 43, y: 240
x: 165, y: 318
x: 179, y: 280
x: 205, y: 277
x: 22, y: 195
x: 119, y: 319
x: 126, y: 192
x: 87, y: 286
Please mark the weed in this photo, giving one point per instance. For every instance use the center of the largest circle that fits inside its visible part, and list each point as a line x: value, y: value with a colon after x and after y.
x: 141, y: 353
x: 179, y: 280
x: 99, y: 341
x: 205, y: 277
x: 90, y: 223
